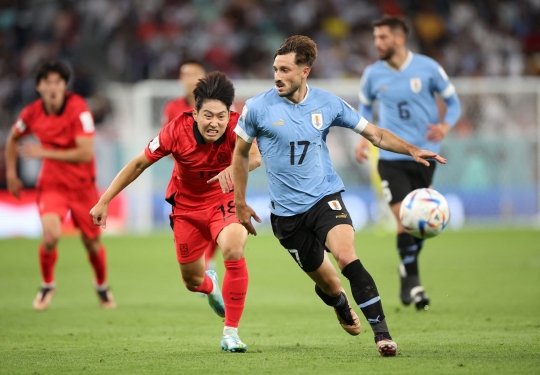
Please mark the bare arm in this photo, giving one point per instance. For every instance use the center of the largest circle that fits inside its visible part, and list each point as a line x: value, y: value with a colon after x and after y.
x: 14, y: 184
x: 125, y: 177
x: 386, y: 140
x: 82, y: 153
x: 225, y: 177
x: 240, y: 166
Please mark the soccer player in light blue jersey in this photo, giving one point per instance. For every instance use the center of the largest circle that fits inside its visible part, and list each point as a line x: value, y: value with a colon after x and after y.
x: 404, y: 85
x: 291, y: 122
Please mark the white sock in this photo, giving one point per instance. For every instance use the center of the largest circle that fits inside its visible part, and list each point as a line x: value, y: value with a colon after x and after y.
x: 230, y: 330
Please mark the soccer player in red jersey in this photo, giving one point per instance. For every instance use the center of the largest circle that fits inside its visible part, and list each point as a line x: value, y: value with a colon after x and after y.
x: 203, y: 214
x: 191, y: 71
x: 65, y: 128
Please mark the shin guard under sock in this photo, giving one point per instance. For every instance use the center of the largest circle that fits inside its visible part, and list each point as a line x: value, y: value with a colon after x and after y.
x: 47, y: 261
x: 366, y: 295
x: 99, y: 264
x: 235, y: 284
x: 408, y: 249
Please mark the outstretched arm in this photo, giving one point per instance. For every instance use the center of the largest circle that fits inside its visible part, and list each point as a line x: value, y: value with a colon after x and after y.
x: 240, y: 166
x: 125, y: 177
x: 386, y: 140
x: 81, y: 153
x: 225, y: 177
x: 14, y: 184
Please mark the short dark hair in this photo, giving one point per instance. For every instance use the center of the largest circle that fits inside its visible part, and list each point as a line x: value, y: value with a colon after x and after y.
x: 304, y: 47
x: 53, y: 66
x: 394, y: 23
x: 192, y: 62
x: 214, y: 86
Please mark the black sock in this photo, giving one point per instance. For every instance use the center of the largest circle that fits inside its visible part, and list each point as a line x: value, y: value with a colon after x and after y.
x: 336, y: 302
x: 365, y: 294
x: 409, y: 248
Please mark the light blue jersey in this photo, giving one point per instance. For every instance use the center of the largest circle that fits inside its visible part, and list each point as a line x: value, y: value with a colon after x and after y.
x: 292, y: 141
x: 407, y: 101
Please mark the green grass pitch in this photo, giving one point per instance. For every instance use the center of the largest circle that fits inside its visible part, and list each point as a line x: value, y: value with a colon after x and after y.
x: 484, y: 318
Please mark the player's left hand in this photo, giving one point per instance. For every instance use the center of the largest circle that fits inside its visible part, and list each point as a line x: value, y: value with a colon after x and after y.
x: 420, y: 156
x: 225, y: 178
x: 30, y: 150
x: 99, y: 214
x: 437, y: 132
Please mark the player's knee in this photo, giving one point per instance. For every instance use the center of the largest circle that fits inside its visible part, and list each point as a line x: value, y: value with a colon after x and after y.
x: 92, y: 245
x: 233, y: 252
x: 344, y: 256
x: 50, y: 239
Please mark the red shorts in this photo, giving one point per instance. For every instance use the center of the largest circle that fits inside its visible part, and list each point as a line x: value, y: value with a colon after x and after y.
x: 196, y: 231
x: 60, y: 200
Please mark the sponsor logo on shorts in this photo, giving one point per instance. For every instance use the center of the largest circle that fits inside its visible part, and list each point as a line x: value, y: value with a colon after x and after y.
x: 341, y: 216
x: 184, y: 252
x: 335, y: 205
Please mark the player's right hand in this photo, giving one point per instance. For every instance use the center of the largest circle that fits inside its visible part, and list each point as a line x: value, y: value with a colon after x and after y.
x: 14, y: 185
x: 244, y: 213
x: 361, y: 150
x: 99, y: 214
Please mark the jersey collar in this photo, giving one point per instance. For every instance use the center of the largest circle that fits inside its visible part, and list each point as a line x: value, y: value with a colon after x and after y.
x: 303, y: 100
x: 60, y: 111
x: 403, y: 66
x: 199, y: 138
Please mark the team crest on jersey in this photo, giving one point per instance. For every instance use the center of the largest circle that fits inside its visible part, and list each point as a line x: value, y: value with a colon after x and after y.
x: 416, y: 85
x: 335, y: 205
x: 317, y: 119
x: 222, y: 158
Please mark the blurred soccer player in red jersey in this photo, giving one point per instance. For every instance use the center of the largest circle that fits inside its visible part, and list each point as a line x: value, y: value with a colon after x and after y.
x: 191, y: 71
x: 65, y: 128
x: 203, y: 214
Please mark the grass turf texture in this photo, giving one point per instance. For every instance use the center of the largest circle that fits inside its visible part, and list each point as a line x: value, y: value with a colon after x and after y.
x: 484, y: 319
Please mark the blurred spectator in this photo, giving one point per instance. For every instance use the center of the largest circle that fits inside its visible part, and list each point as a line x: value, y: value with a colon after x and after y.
x: 129, y: 40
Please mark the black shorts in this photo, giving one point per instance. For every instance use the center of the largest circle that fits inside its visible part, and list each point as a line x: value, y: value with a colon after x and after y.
x: 304, y: 235
x: 400, y: 177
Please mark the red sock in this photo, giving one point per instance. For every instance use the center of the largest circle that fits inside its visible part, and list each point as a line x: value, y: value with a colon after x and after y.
x: 235, y: 284
x: 207, y: 285
x: 47, y: 260
x: 99, y: 264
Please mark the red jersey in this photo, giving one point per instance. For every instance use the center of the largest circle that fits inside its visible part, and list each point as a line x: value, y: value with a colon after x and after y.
x: 195, y: 160
x: 175, y: 108
x: 59, y: 131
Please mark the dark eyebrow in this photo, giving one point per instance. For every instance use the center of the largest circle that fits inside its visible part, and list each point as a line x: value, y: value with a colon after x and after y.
x: 212, y: 113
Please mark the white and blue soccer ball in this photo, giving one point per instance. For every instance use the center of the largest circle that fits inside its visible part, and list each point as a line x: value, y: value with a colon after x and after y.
x: 424, y: 213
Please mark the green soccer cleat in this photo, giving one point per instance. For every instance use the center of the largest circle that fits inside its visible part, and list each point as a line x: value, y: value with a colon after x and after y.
x: 230, y: 342
x: 215, y: 300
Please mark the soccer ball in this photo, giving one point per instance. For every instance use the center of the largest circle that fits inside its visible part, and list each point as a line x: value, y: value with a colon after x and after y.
x: 424, y: 213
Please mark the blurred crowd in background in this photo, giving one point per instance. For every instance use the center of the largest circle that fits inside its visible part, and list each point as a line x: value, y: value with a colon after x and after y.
x: 132, y: 40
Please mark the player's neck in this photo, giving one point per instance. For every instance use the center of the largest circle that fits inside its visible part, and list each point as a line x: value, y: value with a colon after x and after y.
x: 299, y: 94
x: 53, y: 107
x: 398, y: 58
